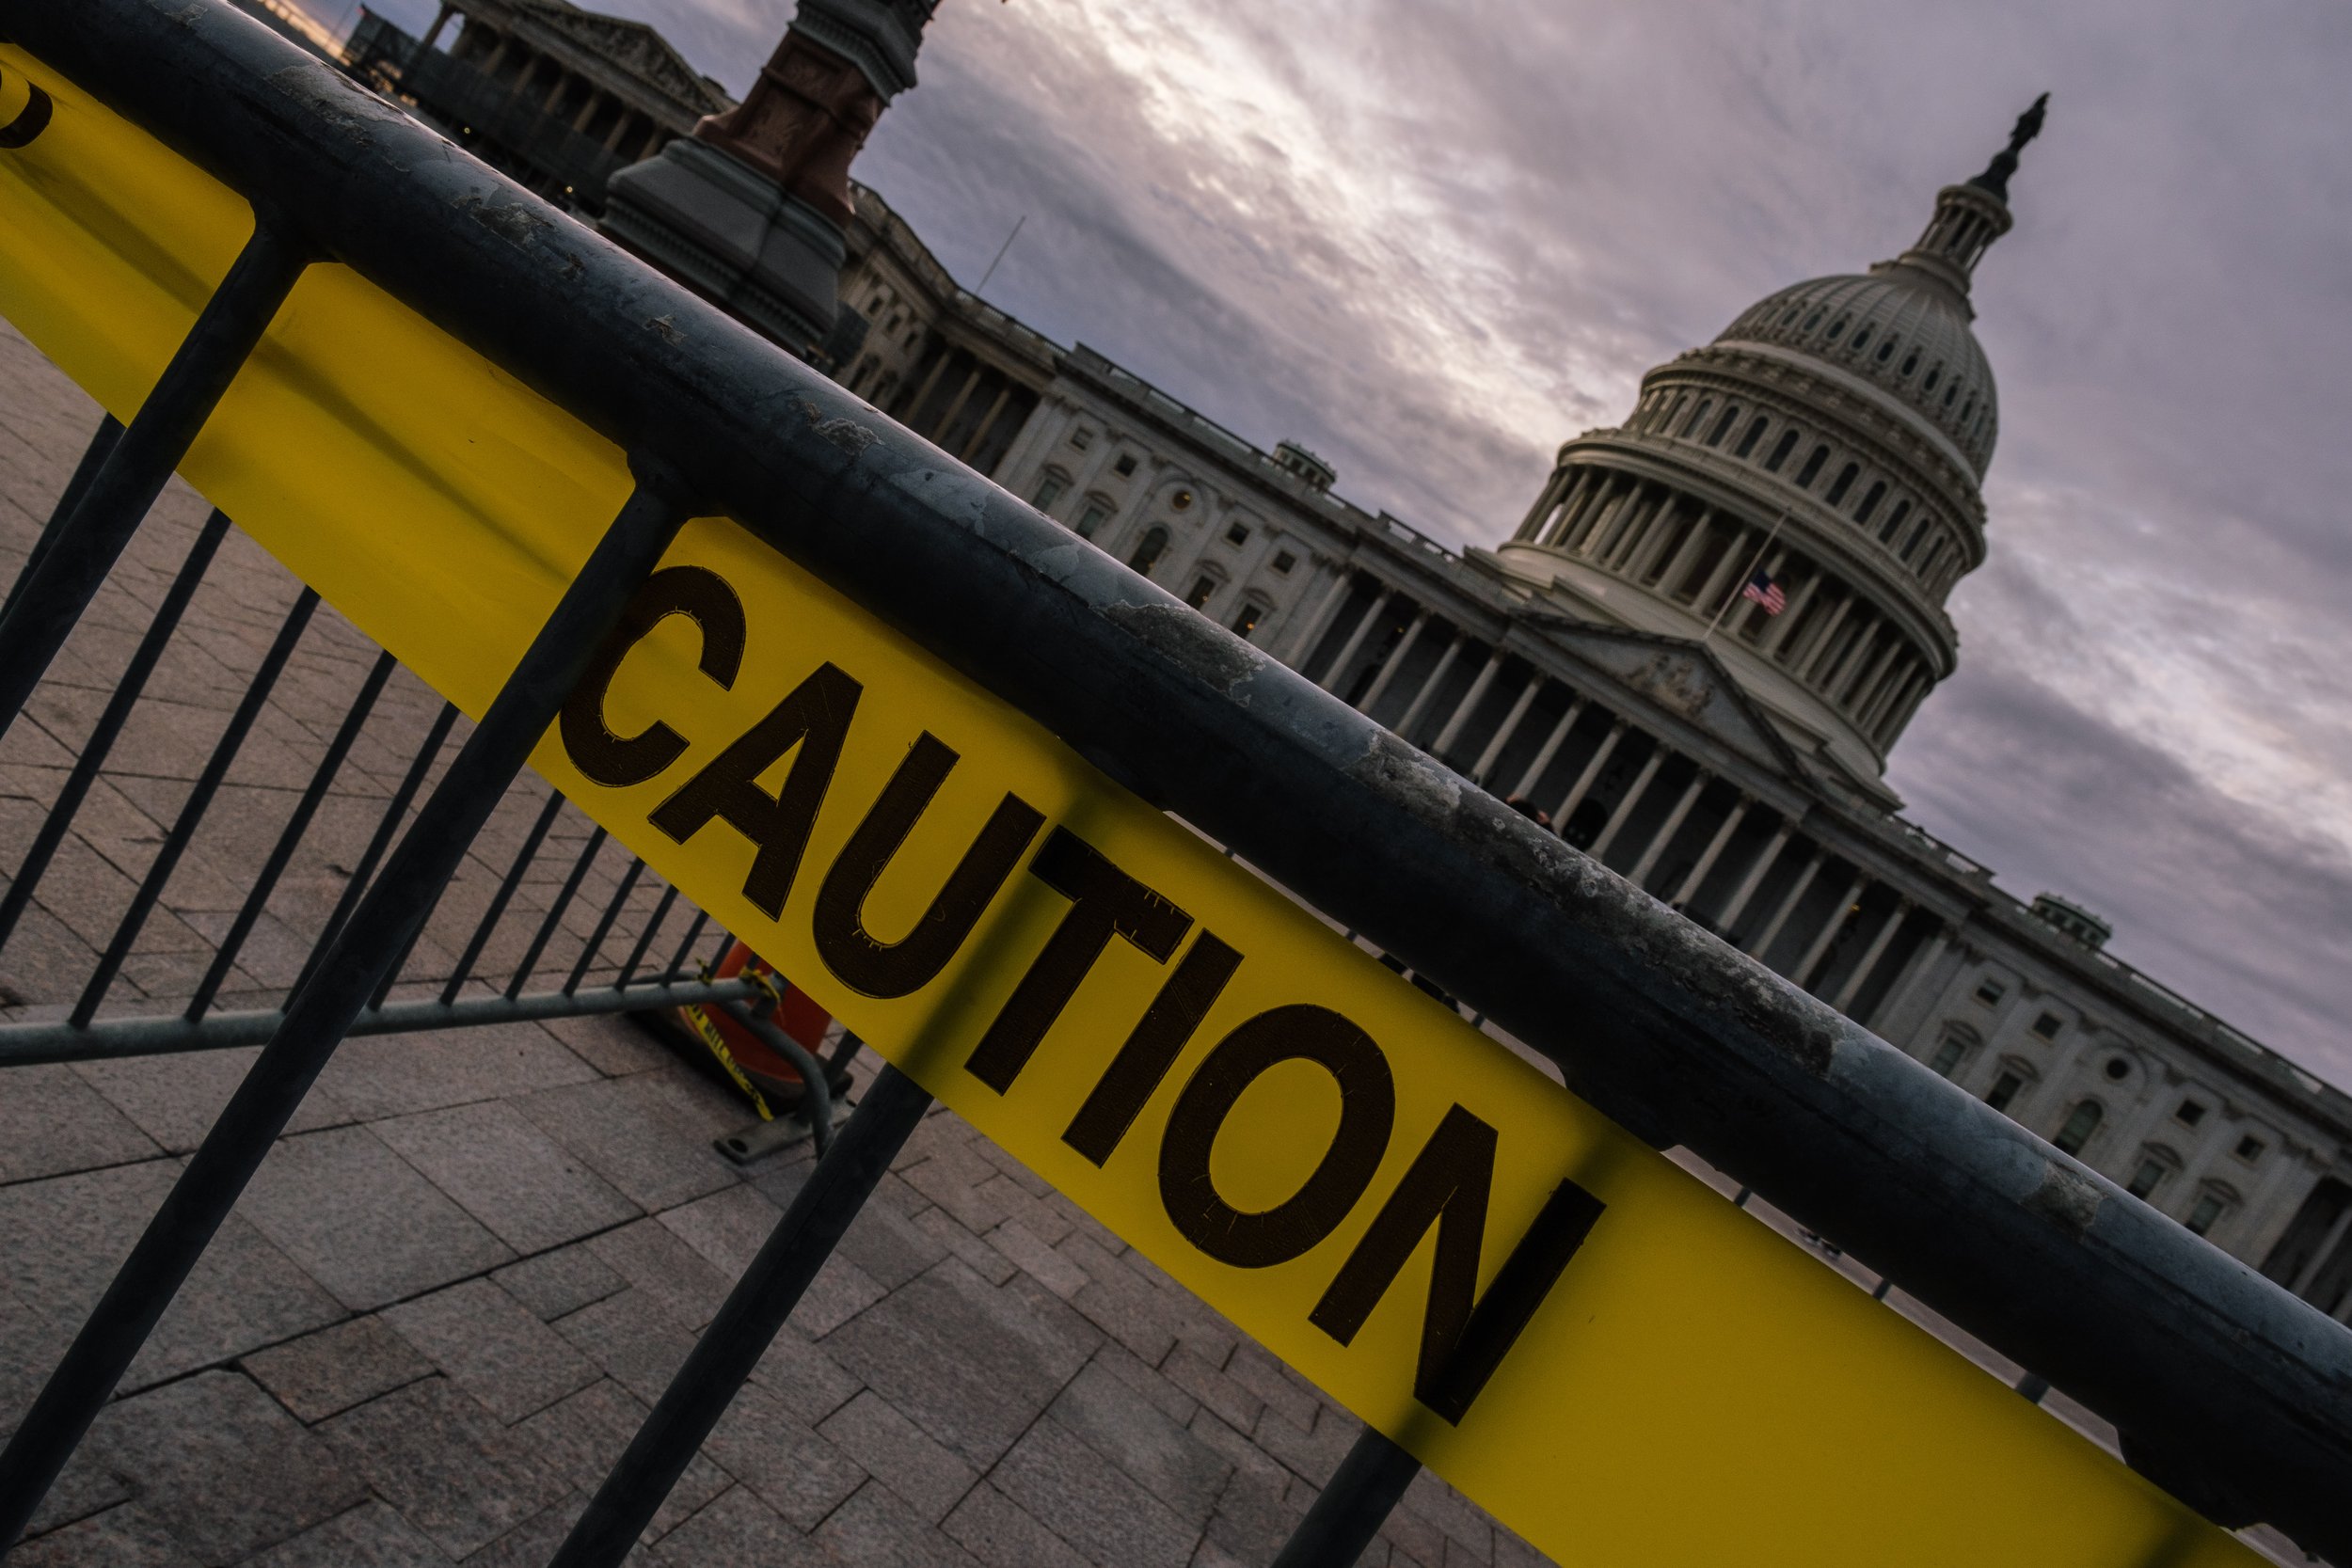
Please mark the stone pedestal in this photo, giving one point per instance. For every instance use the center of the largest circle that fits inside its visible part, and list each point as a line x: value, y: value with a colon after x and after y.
x: 734, y: 235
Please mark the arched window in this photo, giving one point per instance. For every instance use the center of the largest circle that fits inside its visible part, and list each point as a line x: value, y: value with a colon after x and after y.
x: 1755, y: 433
x: 1870, y: 502
x: 1837, y: 330
x: 1049, y: 490
x: 1886, y: 349
x: 1812, y: 469
x: 1950, y: 392
x: 1813, y: 321
x: 1791, y: 314
x: 1862, y: 338
x: 1935, y: 375
x: 1148, y: 553
x: 1967, y: 410
x: 1698, y: 417
x: 1786, y: 444
x: 2082, y: 1122
x: 1911, y: 362
x: 1203, y: 589
x: 1246, y: 621
x: 1723, y: 425
x: 1843, y: 483
x: 1894, y: 522
x: 1090, y: 520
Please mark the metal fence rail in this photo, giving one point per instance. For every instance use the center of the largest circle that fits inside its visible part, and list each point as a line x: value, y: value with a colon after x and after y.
x: 2228, y: 1390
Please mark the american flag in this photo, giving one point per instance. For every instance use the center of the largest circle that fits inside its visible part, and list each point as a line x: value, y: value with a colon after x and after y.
x: 1764, y: 591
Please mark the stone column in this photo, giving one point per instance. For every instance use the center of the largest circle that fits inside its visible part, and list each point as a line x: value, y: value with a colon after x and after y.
x: 1719, y: 582
x: 1477, y: 695
x: 1692, y: 544
x: 1755, y: 878
x: 1633, y: 793
x: 1830, y: 928
x: 1509, y: 727
x: 1575, y: 797
x: 1381, y: 681
x: 1771, y: 933
x: 939, y: 367
x: 1673, y: 825
x: 1877, y: 670
x: 1428, y: 692
x: 1355, y: 638
x: 433, y: 34
x: 1769, y: 644
x: 1732, y: 818
x: 1551, y: 747
x: 964, y: 395
x: 988, y: 422
x: 2327, y: 1250
x: 1931, y: 948
x: 1819, y: 638
x: 1298, y: 643
x: 1870, y: 956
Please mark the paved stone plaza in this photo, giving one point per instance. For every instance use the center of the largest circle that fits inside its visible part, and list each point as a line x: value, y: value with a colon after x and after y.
x: 444, y: 1306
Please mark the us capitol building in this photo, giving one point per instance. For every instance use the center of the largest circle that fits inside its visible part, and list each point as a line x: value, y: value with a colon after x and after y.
x: 1725, y: 750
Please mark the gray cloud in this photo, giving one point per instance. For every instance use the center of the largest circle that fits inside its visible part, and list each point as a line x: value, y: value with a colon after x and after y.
x: 1432, y: 242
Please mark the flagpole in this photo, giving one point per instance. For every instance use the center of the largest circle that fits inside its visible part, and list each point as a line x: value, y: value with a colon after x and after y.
x: 1745, y: 579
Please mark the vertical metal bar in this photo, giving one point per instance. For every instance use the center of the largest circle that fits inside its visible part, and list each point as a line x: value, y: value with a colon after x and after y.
x: 93, y: 458
x: 678, y: 961
x: 555, y: 913
x: 192, y: 811
x: 378, y: 842
x: 83, y: 548
x: 645, y: 938
x: 320, y: 1013
x: 604, y: 924
x: 755, y: 1311
x: 346, y: 735
x: 1342, y: 1521
x: 110, y: 721
x: 499, y: 900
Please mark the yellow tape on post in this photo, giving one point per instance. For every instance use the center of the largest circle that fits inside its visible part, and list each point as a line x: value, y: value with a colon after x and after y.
x: 1315, y: 1148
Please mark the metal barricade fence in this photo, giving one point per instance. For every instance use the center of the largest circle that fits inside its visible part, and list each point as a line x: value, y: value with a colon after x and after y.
x: 544, y: 918
x: 2228, y: 1391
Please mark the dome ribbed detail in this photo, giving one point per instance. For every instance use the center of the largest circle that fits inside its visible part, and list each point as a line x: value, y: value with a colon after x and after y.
x: 1904, y: 336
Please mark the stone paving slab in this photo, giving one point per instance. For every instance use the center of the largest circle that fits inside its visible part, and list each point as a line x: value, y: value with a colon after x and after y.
x: 478, y: 1256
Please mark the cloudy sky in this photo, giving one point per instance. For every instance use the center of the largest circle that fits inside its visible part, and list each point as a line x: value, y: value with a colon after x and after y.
x: 1432, y: 241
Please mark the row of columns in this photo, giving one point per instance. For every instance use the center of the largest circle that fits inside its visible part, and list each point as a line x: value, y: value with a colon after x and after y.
x: 1314, y: 629
x: 1640, y: 531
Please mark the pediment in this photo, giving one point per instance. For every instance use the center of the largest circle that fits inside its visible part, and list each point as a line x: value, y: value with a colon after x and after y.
x: 1683, y: 678
x: 632, y: 47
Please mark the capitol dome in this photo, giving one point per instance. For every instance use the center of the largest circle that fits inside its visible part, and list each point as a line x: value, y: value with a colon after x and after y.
x: 1800, y: 496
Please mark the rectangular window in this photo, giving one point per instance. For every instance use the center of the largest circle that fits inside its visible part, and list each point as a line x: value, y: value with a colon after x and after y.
x: 1991, y: 992
x: 1095, y: 515
x: 1049, y: 492
x: 1948, y: 1057
x: 2190, y: 1112
x: 1082, y: 438
x: 2146, y: 1179
x: 2207, y: 1211
x: 2048, y: 1025
x: 1201, y: 590
x: 1237, y: 535
x: 2250, y: 1149
x: 1284, y: 561
x: 1125, y: 465
x: 1246, y: 621
x: 2004, y: 1090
